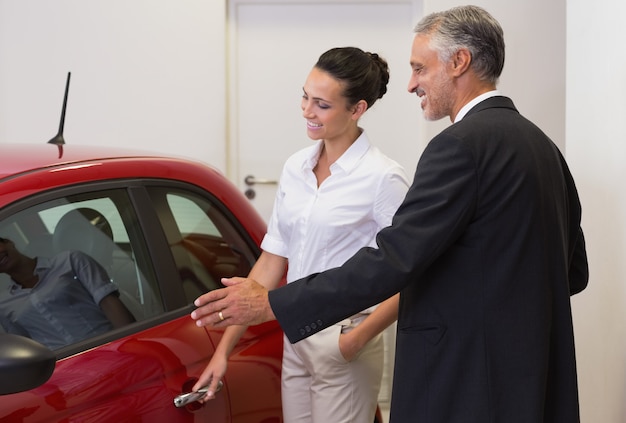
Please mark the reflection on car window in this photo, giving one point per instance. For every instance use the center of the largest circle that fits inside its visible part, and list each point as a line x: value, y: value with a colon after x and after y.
x: 105, y: 206
x: 58, y: 300
x: 205, y: 244
x: 92, y: 271
x: 190, y: 217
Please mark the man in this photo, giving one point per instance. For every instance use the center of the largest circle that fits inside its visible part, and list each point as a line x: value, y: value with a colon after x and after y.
x: 59, y: 300
x: 485, y: 251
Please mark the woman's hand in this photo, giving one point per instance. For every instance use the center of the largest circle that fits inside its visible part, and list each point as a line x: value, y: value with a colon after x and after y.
x: 349, y: 345
x: 211, y: 376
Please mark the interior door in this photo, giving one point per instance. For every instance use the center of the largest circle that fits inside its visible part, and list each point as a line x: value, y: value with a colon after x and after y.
x: 273, y: 46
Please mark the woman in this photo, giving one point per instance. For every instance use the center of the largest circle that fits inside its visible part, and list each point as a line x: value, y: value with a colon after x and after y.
x: 332, y: 200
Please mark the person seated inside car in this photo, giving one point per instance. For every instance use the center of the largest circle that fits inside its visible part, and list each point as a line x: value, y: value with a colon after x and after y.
x: 59, y: 300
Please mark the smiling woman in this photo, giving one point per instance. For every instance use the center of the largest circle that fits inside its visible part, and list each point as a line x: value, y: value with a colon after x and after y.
x: 332, y: 199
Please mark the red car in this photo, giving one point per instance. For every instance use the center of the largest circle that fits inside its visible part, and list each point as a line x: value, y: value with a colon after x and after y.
x: 165, y: 230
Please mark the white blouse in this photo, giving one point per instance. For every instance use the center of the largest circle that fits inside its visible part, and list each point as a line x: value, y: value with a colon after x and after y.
x: 320, y: 228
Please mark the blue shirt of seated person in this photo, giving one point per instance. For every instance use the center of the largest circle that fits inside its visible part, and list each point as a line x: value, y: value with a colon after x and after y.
x: 70, y: 298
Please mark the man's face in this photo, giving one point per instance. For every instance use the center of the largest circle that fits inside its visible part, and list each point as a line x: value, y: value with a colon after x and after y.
x: 430, y: 80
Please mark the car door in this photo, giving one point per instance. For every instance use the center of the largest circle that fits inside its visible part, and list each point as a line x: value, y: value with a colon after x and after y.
x: 130, y: 373
x: 208, y: 244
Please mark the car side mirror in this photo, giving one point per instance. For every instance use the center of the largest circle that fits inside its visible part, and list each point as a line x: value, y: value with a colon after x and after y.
x: 24, y: 364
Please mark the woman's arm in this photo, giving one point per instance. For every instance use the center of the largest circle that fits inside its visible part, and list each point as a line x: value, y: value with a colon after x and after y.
x: 384, y: 315
x: 268, y: 271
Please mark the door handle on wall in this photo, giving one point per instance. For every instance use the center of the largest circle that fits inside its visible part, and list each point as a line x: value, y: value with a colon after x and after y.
x: 251, y: 180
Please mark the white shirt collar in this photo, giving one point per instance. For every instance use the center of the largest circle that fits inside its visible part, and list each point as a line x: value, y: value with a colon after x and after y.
x: 348, y: 160
x: 474, y: 102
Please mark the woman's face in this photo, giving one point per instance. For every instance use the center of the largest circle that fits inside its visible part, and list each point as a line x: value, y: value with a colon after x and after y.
x: 325, y: 109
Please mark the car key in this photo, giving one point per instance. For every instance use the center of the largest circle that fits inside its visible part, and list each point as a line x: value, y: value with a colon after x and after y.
x: 189, y: 397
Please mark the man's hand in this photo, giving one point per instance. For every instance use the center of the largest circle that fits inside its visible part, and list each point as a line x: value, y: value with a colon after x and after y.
x: 242, y: 302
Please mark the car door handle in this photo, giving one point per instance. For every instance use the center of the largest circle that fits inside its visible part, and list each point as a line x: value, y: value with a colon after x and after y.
x: 189, y: 397
x: 251, y: 180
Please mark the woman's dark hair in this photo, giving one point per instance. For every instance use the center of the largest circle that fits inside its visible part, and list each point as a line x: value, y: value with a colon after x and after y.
x: 365, y: 75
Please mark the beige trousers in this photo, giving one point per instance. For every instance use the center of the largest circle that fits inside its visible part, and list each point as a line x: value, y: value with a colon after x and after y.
x: 320, y: 386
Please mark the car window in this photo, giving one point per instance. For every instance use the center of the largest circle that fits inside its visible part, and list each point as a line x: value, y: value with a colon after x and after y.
x: 94, y: 237
x: 205, y: 241
x: 105, y: 206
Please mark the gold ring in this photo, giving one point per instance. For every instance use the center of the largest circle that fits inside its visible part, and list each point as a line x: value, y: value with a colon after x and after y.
x: 221, y: 316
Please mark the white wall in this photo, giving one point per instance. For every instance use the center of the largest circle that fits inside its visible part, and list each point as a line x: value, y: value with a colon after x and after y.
x: 145, y: 73
x: 596, y: 152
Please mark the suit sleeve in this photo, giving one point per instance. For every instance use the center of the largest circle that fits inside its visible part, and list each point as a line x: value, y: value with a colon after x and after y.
x: 436, y: 210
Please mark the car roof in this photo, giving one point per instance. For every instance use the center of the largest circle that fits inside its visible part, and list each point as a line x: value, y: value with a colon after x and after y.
x: 19, y: 158
x: 26, y: 169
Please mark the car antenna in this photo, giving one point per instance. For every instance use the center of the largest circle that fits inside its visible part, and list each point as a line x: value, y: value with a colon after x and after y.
x: 58, y: 138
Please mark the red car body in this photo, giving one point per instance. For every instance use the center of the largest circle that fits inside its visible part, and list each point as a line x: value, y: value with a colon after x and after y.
x: 134, y: 373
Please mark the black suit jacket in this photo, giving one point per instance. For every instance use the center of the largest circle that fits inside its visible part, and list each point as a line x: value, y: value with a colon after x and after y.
x: 486, y: 250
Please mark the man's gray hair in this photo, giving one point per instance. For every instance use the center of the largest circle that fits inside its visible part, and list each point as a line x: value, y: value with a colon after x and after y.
x: 469, y: 27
